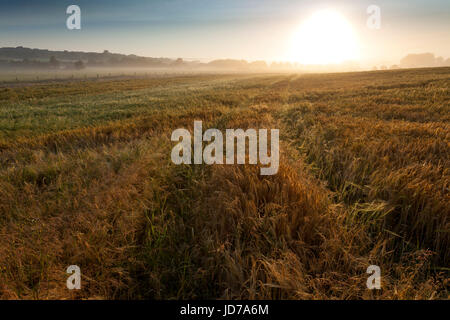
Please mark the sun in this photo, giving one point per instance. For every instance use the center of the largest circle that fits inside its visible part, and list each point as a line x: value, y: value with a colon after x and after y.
x: 325, y: 38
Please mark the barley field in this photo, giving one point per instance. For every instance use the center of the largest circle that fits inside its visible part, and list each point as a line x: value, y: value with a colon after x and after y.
x: 86, y: 179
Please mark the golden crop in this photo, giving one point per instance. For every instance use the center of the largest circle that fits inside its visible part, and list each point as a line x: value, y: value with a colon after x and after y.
x: 86, y: 179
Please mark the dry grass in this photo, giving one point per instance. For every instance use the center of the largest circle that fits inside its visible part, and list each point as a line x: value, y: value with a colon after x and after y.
x: 86, y: 179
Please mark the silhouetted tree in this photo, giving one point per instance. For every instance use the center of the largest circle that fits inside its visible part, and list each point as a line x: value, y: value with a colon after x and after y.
x: 54, y: 63
x: 79, y: 65
x: 178, y: 62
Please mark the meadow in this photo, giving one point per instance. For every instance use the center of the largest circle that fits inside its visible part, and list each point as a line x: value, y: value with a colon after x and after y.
x: 86, y: 179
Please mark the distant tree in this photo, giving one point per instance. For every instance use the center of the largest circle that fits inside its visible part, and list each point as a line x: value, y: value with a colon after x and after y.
x: 229, y: 64
x: 418, y: 60
x: 113, y: 61
x: 54, y: 63
x: 275, y: 65
x: 93, y: 62
x: 259, y: 65
x: 79, y: 65
x: 178, y: 62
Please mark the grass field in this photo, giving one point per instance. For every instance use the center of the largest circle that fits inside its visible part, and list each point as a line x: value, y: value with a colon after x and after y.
x: 86, y: 179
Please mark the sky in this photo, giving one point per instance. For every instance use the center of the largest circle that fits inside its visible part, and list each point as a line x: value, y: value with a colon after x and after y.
x: 213, y: 29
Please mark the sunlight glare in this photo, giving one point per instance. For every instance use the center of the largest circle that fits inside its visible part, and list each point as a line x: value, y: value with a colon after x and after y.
x: 325, y: 38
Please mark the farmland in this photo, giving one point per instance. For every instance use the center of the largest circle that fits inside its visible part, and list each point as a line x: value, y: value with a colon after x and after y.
x: 86, y: 179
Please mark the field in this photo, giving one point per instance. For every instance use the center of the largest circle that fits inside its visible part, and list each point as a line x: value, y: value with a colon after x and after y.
x: 86, y: 179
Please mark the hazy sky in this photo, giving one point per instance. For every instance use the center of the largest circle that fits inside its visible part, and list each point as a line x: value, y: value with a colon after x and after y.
x: 209, y: 29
